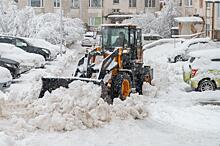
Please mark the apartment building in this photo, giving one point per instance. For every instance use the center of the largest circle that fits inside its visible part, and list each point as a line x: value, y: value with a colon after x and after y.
x: 94, y: 12
x: 208, y: 10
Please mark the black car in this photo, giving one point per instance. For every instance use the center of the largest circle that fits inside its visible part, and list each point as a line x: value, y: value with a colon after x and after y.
x: 24, y: 45
x: 11, y: 65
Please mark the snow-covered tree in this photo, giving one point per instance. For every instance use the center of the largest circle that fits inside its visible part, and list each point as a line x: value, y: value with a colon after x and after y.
x: 46, y: 26
x: 160, y: 24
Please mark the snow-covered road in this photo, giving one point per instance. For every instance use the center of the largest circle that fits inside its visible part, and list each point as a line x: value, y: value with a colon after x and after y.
x: 169, y: 113
x: 126, y: 133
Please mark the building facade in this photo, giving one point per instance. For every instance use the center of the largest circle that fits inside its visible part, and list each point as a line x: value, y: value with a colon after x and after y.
x: 94, y: 12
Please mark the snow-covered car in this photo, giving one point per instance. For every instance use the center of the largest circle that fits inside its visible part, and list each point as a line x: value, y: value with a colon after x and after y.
x: 149, y: 38
x: 24, y: 45
x: 27, y: 60
x: 202, y: 71
x: 181, y: 53
x: 90, y: 39
x: 41, y: 43
x: 11, y: 65
x: 5, y: 78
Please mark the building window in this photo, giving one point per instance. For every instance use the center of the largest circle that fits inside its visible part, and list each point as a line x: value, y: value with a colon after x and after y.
x: 56, y: 3
x: 95, y: 3
x: 201, y: 3
x: 95, y: 21
x: 150, y: 3
x: 115, y: 1
x: 35, y: 3
x: 188, y: 2
x: 180, y: 3
x: 132, y: 3
x: 75, y: 3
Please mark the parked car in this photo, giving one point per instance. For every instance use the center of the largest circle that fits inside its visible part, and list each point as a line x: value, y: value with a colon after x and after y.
x: 149, y: 38
x: 5, y: 78
x: 27, y: 60
x: 90, y: 39
x: 12, y: 66
x: 203, y: 70
x: 181, y: 53
x: 41, y: 43
x: 24, y: 45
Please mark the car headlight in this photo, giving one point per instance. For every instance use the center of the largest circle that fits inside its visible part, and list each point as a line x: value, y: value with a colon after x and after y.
x: 10, y: 65
x: 46, y: 51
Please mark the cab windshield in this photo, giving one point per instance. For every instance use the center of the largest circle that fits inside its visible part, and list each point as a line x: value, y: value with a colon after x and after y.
x: 114, y: 37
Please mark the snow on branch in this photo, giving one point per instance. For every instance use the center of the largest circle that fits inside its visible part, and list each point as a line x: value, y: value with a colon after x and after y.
x: 160, y: 24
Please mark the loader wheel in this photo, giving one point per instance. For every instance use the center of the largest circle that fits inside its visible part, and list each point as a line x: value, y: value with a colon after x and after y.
x: 122, y: 86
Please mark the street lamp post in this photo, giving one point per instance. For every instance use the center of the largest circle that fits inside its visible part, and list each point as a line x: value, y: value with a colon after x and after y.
x: 61, y: 27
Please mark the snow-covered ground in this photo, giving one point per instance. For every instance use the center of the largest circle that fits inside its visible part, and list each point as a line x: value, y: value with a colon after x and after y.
x: 168, y: 114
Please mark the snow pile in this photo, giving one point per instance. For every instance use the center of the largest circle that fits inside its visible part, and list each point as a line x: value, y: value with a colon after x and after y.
x: 6, y: 140
x: 29, y: 88
x: 5, y: 75
x: 29, y: 85
x: 80, y: 107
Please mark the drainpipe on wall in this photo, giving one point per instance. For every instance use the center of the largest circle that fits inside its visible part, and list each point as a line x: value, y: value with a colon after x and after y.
x: 213, y: 20
x: 61, y: 27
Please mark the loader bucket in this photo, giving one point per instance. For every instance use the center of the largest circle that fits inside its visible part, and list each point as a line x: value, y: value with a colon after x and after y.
x: 50, y: 84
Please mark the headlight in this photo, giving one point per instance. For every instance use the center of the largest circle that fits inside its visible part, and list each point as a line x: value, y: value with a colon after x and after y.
x: 10, y: 65
x: 46, y: 51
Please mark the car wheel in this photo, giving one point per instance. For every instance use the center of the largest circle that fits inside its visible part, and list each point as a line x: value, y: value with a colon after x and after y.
x: 206, y: 85
x: 178, y: 58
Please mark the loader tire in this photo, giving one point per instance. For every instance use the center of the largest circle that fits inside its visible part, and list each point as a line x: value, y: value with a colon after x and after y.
x: 121, y: 86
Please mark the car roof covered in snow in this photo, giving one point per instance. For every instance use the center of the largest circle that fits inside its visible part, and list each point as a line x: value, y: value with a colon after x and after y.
x: 188, y: 19
x: 187, y: 43
x: 120, y: 25
x: 212, y: 54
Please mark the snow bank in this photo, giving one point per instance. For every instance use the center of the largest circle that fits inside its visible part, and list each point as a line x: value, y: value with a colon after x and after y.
x: 175, y: 103
x: 6, y: 140
x: 78, y: 107
x: 5, y: 75
x: 81, y: 107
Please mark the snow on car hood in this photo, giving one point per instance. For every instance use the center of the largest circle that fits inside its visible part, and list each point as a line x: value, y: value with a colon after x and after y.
x: 19, y: 55
x: 44, y: 44
x: 183, y: 48
x: 5, y: 75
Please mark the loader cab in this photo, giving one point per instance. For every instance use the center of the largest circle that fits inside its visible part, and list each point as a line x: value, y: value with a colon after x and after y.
x: 126, y: 36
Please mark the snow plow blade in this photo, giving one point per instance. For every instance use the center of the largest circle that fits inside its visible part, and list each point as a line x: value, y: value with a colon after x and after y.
x: 50, y: 84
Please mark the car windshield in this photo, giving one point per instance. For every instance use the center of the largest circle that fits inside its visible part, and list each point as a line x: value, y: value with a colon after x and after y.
x: 114, y: 37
